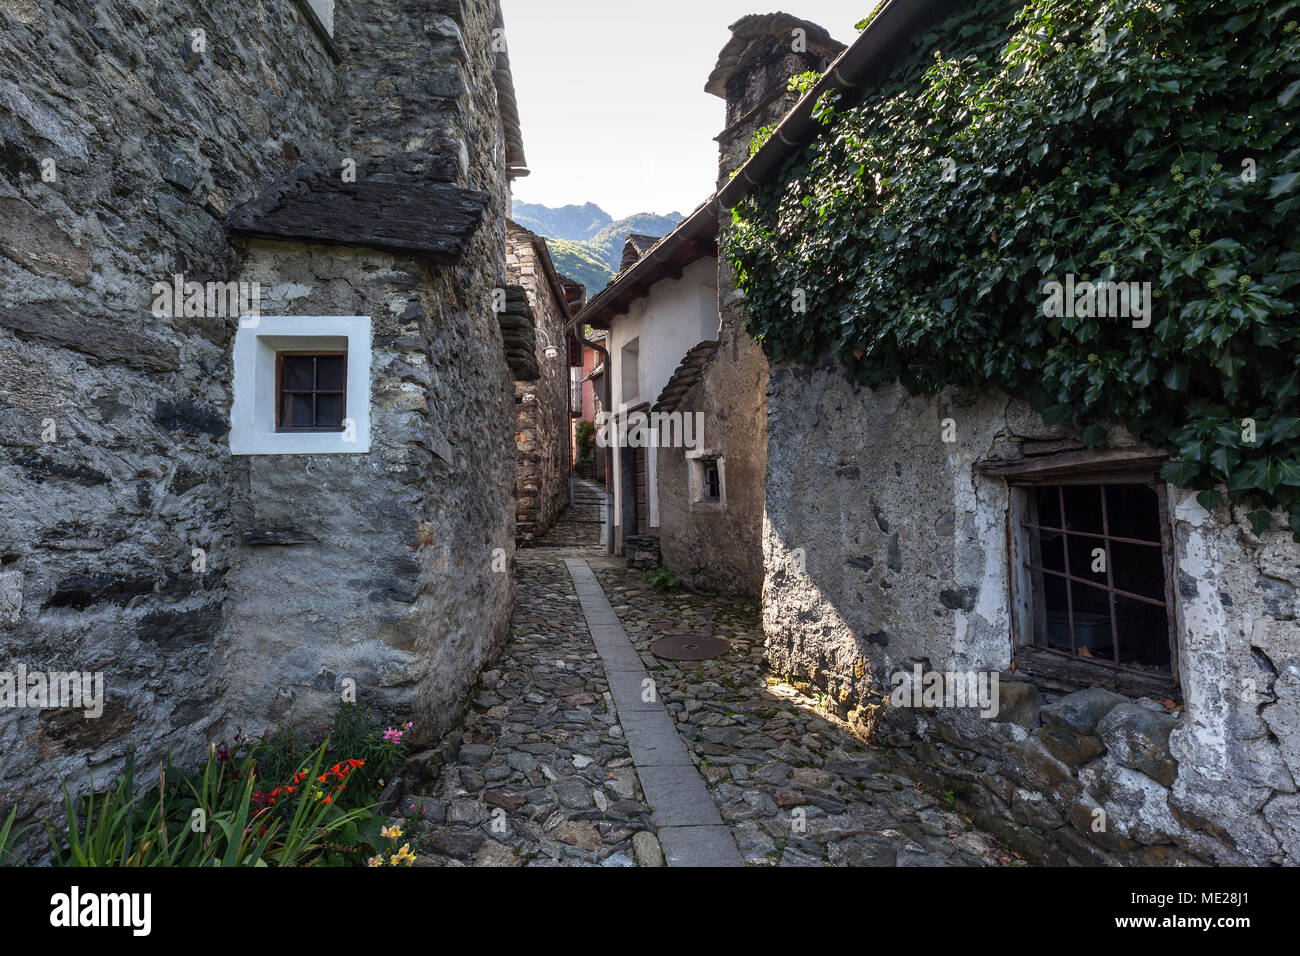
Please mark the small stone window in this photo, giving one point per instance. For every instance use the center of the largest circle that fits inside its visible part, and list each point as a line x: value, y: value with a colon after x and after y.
x: 629, y: 371
x: 1092, y: 576
x: 312, y: 390
x: 712, y: 481
x: 707, y: 484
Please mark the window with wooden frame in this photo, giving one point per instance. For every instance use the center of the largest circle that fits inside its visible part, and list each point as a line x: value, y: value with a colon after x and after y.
x: 1092, y: 571
x: 712, y: 481
x: 311, y: 390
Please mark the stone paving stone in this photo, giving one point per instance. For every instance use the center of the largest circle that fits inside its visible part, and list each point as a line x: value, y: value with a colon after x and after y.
x: 703, y: 846
x: 677, y: 796
x: 794, y: 787
x: 543, y: 770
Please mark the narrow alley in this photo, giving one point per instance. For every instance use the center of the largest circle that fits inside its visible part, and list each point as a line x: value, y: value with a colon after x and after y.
x: 582, y: 747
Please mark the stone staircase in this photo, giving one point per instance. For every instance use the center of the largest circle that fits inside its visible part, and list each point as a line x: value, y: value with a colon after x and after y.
x: 583, y: 524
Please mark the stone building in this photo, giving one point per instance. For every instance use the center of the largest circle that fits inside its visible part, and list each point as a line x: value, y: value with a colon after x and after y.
x: 232, y: 510
x: 909, y: 536
x: 701, y: 504
x: 660, y: 307
x: 542, y: 405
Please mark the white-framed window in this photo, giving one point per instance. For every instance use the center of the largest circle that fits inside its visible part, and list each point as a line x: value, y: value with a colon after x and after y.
x: 707, y: 480
x: 302, y: 386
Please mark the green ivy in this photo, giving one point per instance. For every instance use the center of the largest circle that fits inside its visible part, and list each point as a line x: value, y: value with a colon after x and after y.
x: 1112, y: 140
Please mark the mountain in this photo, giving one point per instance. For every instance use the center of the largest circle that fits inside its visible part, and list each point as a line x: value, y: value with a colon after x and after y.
x: 586, y: 244
x: 577, y: 261
x: 608, y: 243
x: 575, y: 223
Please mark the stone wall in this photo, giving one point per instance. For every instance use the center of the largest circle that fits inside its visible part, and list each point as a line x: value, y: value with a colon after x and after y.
x: 542, y: 433
x: 386, y: 574
x: 711, y: 548
x: 885, y: 549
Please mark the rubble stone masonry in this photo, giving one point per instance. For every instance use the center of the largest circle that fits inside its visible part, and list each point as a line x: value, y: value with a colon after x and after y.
x: 376, y: 567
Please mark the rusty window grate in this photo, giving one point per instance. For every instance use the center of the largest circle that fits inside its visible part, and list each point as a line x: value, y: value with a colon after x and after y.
x: 1096, y: 557
x: 311, y: 390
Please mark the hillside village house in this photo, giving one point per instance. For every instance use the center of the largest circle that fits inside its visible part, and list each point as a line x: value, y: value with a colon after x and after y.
x: 680, y: 348
x: 227, y: 514
x: 664, y: 319
x: 1166, y: 706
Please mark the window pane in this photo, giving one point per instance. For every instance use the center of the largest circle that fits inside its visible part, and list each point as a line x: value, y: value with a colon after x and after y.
x: 1083, y: 508
x: 1134, y: 512
x: 1143, y: 635
x: 298, y: 412
x: 329, y: 372
x: 329, y: 411
x: 1058, y: 615
x: 1139, y: 569
x: 298, y: 372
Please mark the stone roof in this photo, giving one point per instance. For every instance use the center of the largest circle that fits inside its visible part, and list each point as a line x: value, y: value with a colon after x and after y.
x: 516, y: 162
x: 687, y: 374
x: 754, y: 33
x: 634, y: 249
x: 394, y: 212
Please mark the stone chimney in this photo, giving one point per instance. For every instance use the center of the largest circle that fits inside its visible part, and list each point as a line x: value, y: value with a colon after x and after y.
x: 754, y: 71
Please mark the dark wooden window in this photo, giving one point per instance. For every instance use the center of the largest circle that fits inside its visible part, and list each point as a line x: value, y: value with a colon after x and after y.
x: 712, y: 482
x: 311, y: 390
x: 1092, y: 575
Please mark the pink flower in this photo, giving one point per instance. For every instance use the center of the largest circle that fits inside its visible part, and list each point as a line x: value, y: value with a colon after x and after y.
x: 393, y: 736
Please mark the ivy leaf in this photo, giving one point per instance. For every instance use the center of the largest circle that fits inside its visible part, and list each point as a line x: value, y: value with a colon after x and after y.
x: 1179, y: 473
x: 1209, y: 500
x: 1224, y: 459
x: 1261, y: 520
x: 1284, y: 429
x: 1283, y: 184
x: 1290, y: 474
x: 1093, y: 435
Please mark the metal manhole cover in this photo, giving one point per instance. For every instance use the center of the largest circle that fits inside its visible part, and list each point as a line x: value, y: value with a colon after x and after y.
x: 689, y: 648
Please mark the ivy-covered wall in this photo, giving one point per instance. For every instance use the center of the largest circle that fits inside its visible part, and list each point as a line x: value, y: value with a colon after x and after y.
x: 1070, y: 142
x: 899, y: 274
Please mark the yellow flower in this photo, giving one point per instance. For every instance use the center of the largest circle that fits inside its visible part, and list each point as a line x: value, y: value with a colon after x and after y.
x: 391, y: 833
x: 394, y: 859
x: 375, y: 861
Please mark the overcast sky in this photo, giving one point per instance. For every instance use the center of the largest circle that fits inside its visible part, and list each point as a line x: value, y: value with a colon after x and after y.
x: 611, y: 95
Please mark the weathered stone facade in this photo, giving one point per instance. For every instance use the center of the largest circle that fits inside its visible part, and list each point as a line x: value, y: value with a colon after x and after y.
x: 542, y: 433
x: 377, y: 567
x: 719, y: 548
x: 886, y: 548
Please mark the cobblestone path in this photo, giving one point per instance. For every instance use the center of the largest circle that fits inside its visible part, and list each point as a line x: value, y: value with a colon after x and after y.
x: 541, y: 773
